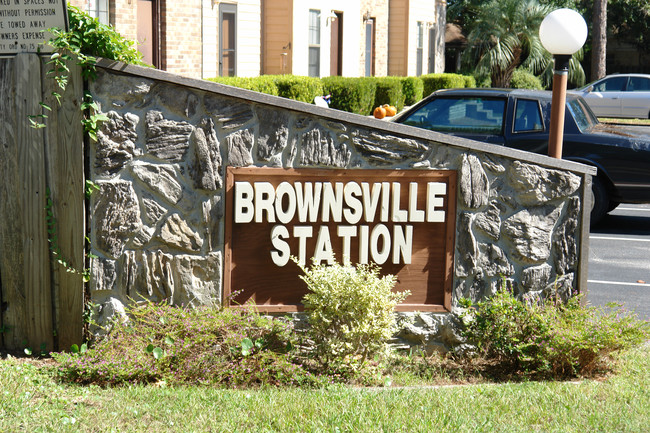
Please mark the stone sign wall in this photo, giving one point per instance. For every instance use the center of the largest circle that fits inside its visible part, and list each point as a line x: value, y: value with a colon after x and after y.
x: 157, y: 222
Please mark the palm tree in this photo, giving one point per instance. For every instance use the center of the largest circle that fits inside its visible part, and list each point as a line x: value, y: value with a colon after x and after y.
x: 505, y: 36
x: 599, y: 40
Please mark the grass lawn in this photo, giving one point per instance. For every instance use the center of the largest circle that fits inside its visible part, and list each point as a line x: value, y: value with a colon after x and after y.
x: 627, y: 121
x: 31, y: 400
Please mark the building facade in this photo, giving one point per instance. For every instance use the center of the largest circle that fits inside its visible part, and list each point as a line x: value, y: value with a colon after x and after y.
x: 209, y: 38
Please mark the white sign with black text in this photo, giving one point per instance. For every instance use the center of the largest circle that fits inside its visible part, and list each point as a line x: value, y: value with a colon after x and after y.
x: 24, y: 24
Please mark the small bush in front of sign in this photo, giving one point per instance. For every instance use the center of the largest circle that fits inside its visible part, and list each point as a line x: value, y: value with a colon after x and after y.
x: 164, y: 344
x: 550, y: 338
x: 351, y: 311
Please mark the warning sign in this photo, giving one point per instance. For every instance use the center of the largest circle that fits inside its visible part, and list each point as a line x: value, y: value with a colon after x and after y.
x: 24, y: 24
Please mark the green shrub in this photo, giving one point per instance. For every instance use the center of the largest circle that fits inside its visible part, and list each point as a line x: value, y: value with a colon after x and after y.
x: 229, y: 347
x: 303, y: 89
x: 87, y: 37
x: 264, y: 84
x: 523, y: 79
x: 354, y: 95
x: 412, y: 88
x: 470, y: 81
x: 389, y: 91
x: 550, y: 338
x: 351, y: 311
x: 433, y: 82
x: 482, y: 80
x: 295, y: 87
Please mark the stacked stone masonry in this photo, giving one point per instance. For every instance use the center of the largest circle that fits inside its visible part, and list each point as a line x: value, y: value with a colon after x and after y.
x: 157, y: 224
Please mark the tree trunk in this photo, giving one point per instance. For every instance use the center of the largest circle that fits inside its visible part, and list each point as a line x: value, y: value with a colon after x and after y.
x: 599, y: 40
x: 502, y: 77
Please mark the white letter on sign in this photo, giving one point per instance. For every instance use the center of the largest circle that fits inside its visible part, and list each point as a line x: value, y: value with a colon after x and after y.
x: 434, y: 189
x: 302, y: 233
x: 399, y: 215
x: 323, y: 249
x: 346, y: 233
x: 282, y: 252
x: 285, y: 215
x: 243, y: 202
x: 415, y: 215
x: 402, y: 243
x: 380, y: 256
x: 264, y: 198
x: 354, y: 211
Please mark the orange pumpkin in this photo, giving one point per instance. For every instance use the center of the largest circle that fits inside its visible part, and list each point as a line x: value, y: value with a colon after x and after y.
x: 379, y: 113
x: 391, y: 111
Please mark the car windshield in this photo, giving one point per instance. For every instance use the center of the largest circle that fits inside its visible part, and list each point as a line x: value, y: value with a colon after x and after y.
x: 460, y: 114
x: 584, y: 117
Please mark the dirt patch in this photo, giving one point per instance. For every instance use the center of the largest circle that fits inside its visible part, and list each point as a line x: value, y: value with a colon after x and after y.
x: 21, y: 357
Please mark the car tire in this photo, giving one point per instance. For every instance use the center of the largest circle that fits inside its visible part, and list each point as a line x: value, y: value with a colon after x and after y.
x: 600, y: 200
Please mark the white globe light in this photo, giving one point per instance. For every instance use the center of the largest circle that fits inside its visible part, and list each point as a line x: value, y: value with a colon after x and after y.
x: 563, y: 31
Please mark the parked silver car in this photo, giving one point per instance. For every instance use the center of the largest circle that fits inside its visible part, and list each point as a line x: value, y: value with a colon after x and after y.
x: 620, y: 95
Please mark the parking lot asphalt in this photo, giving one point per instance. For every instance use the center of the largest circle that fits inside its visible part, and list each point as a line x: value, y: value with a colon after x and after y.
x: 619, y: 259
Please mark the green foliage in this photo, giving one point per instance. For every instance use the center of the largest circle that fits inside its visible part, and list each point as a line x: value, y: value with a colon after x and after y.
x: 88, y: 39
x: 85, y: 40
x: 389, y: 91
x: 90, y: 187
x: 295, y: 87
x: 354, y: 95
x: 79, y: 349
x: 504, y: 35
x: 630, y: 21
x: 413, y: 89
x: 31, y: 399
x: 433, y: 82
x: 522, y: 79
x: 52, y: 239
x: 351, y: 311
x: 93, y: 116
x: 550, y: 338
x: 299, y: 88
x: 470, y: 81
x: 264, y: 84
x: 228, y: 347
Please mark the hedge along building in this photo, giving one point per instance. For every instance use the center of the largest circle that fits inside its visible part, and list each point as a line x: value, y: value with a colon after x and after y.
x: 206, y: 190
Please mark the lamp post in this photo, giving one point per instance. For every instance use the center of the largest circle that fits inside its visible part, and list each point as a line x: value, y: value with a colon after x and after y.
x: 562, y: 33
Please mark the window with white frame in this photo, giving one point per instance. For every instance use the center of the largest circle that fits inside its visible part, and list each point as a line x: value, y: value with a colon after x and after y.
x: 419, y: 48
x: 314, y: 43
x: 99, y: 9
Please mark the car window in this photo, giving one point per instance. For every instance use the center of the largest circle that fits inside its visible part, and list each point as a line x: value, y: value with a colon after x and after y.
x: 614, y: 84
x: 462, y: 114
x: 584, y: 117
x: 639, y: 84
x: 528, y: 116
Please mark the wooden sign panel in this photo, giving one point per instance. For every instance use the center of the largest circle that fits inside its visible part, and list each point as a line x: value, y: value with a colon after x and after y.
x: 402, y: 220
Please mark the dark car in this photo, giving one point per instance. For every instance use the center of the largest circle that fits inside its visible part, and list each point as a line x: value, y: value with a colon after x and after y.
x: 520, y: 119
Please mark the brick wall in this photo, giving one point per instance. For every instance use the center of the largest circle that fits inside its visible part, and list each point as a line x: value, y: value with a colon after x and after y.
x: 123, y: 16
x: 379, y: 11
x: 181, y: 45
